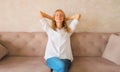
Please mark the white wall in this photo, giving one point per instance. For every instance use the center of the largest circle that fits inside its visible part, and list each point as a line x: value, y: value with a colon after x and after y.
x: 23, y: 15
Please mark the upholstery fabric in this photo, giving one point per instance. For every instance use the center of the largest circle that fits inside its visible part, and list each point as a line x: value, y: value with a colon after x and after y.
x: 89, y: 44
x: 112, y: 50
x: 93, y: 64
x: 23, y: 64
x: 3, y: 51
x: 24, y: 43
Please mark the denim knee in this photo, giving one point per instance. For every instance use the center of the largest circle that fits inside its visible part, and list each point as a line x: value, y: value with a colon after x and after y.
x: 62, y: 65
x: 58, y: 65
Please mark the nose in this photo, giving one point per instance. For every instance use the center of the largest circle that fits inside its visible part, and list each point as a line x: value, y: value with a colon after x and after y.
x: 59, y: 16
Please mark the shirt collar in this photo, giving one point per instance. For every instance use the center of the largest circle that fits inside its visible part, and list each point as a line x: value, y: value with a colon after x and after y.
x: 59, y: 30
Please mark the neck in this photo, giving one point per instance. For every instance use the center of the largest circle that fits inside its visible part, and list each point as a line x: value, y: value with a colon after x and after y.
x: 59, y: 25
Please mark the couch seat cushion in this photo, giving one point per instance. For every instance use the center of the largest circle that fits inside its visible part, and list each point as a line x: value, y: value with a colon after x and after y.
x: 23, y: 64
x: 93, y: 64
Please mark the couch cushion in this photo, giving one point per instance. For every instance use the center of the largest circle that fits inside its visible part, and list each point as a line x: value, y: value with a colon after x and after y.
x: 23, y: 64
x: 89, y: 43
x: 24, y: 43
x: 3, y: 51
x: 93, y: 64
x: 112, y: 50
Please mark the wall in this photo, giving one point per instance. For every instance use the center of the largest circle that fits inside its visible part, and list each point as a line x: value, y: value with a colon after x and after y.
x: 23, y: 15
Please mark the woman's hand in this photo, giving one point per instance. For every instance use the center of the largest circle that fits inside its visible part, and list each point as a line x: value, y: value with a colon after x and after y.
x: 41, y: 14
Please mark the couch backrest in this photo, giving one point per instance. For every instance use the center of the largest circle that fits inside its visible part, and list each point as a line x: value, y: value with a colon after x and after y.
x: 34, y: 43
x: 89, y: 43
x: 24, y: 43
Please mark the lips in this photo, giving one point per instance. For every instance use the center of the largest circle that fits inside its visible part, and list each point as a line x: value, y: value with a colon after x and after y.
x: 59, y: 19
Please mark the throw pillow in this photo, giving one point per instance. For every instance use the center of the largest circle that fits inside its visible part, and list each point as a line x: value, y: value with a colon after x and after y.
x: 112, y: 50
x: 3, y: 51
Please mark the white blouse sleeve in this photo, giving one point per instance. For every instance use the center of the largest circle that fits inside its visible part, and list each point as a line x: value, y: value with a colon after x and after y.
x: 73, y: 24
x: 45, y: 25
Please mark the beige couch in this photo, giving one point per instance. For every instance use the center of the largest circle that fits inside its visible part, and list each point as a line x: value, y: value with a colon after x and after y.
x: 26, y: 51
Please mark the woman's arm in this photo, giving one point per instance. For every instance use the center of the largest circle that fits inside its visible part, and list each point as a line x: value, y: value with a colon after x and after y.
x: 44, y: 15
x: 76, y: 16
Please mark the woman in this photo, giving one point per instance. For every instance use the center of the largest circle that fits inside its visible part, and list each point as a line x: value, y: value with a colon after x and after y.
x: 58, y: 54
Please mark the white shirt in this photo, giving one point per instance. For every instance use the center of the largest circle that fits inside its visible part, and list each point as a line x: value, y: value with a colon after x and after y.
x: 58, y: 44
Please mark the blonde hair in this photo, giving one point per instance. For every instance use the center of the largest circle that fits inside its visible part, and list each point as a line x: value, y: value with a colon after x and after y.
x: 64, y: 24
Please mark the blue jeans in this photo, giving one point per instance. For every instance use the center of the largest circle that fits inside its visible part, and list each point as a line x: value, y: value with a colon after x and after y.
x: 58, y: 65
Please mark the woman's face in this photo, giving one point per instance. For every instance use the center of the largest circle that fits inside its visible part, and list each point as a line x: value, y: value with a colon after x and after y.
x: 59, y: 17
